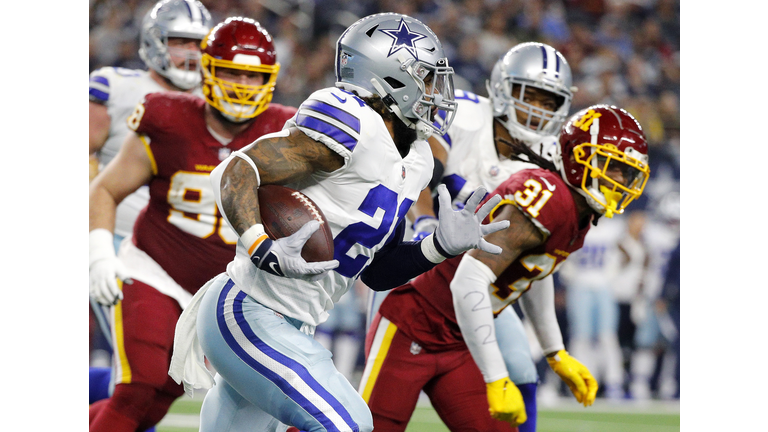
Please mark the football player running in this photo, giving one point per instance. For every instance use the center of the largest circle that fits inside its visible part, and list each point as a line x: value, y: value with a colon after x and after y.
x: 179, y: 240
x: 357, y: 151
x: 427, y: 332
x: 529, y: 96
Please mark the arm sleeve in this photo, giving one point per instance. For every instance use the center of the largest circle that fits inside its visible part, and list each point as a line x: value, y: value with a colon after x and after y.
x: 398, y: 262
x: 472, y: 304
x: 538, y: 304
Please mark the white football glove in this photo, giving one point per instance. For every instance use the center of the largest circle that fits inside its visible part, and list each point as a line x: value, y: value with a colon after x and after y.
x: 424, y: 226
x: 105, y: 269
x: 282, y: 257
x: 462, y: 230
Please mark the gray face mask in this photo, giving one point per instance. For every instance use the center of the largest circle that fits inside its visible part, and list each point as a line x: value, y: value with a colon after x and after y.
x: 526, y: 65
x: 401, y: 60
x: 174, y: 19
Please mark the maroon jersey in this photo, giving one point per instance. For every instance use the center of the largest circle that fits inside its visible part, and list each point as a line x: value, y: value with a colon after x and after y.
x: 423, y: 308
x: 181, y: 228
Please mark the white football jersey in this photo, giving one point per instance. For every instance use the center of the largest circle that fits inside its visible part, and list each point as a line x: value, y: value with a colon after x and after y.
x: 120, y: 90
x: 472, y: 157
x: 597, y: 264
x: 363, y: 202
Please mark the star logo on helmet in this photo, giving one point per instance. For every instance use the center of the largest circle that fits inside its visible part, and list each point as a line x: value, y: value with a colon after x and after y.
x: 403, y: 38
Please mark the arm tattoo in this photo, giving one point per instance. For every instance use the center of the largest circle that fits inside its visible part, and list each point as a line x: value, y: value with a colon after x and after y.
x: 280, y: 160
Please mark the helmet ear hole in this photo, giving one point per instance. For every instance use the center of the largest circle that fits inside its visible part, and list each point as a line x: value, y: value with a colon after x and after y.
x: 395, y: 84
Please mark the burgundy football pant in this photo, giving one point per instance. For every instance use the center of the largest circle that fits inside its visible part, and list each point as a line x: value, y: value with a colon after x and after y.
x: 143, y: 328
x: 397, y: 369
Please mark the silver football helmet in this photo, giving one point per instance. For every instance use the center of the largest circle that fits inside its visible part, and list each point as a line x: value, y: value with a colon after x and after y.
x: 391, y: 55
x: 174, y: 18
x: 530, y: 64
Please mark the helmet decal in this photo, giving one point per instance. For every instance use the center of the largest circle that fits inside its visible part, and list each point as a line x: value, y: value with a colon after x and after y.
x: 403, y: 38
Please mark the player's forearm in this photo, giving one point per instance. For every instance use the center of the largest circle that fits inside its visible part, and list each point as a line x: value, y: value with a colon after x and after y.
x: 538, y: 304
x: 237, y: 184
x: 474, y: 314
x: 102, y: 209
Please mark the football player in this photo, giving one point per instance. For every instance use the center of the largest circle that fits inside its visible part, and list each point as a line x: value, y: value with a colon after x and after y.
x: 529, y: 96
x: 179, y: 241
x: 170, y: 38
x: 357, y: 151
x: 427, y: 333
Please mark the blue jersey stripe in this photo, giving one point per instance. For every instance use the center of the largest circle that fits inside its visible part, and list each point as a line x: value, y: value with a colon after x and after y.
x: 300, y: 370
x: 333, y: 112
x: 100, y: 80
x: 328, y: 129
x: 98, y: 94
x: 454, y: 183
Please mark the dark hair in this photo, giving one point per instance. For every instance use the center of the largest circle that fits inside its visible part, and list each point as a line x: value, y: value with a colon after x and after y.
x: 375, y: 102
x: 523, y: 153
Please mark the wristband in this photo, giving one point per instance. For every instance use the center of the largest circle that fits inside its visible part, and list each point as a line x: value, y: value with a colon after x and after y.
x: 253, y: 237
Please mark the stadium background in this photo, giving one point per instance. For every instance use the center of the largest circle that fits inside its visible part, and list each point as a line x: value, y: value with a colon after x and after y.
x: 623, y: 52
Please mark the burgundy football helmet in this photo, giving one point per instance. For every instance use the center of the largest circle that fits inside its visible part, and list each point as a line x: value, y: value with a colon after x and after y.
x: 603, y: 154
x: 243, y: 44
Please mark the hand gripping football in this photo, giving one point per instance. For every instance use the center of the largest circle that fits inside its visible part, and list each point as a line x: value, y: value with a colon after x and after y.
x: 285, y: 210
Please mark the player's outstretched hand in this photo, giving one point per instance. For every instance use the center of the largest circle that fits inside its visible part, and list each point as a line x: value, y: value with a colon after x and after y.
x: 106, y: 271
x: 581, y: 382
x: 462, y: 230
x: 505, y: 402
x: 282, y: 257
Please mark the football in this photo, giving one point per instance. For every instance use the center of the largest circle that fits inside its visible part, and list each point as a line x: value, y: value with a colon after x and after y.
x: 284, y: 211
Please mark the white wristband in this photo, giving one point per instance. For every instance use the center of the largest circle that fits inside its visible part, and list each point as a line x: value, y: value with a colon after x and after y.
x: 253, y: 237
x: 101, y: 245
x: 429, y: 249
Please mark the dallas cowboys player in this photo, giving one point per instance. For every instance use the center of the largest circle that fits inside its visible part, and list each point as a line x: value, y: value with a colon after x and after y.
x: 529, y: 95
x: 353, y: 150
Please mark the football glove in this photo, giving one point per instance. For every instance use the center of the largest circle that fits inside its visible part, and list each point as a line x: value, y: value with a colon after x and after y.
x: 462, y: 230
x: 282, y: 257
x: 424, y: 226
x: 505, y: 402
x: 106, y: 272
x: 581, y: 382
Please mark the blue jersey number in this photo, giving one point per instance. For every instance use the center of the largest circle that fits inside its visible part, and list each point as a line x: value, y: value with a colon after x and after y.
x: 366, y: 235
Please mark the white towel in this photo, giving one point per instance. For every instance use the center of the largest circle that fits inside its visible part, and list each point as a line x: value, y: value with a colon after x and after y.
x: 188, y: 360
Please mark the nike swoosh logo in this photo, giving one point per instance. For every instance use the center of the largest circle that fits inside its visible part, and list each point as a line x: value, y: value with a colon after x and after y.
x: 550, y: 186
x: 338, y: 98
x: 273, y: 266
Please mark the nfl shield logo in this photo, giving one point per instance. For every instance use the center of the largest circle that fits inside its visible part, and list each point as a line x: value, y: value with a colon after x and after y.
x: 403, y: 172
x: 494, y: 171
x: 224, y: 153
x: 344, y: 58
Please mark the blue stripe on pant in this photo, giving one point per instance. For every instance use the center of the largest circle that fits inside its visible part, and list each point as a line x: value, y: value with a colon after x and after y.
x: 274, y: 366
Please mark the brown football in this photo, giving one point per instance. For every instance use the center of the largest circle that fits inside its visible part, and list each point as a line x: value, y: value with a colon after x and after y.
x: 284, y: 211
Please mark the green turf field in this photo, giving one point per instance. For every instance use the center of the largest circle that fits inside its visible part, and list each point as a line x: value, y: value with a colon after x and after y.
x: 565, y: 417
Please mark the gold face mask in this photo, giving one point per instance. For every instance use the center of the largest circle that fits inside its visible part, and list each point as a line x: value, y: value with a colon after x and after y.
x: 612, y: 177
x: 237, y: 101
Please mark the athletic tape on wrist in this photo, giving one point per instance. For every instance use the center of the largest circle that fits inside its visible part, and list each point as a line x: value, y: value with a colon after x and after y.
x: 430, y: 251
x: 253, y: 237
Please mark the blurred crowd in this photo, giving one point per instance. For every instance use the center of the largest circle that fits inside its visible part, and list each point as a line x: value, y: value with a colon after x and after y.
x: 623, y: 52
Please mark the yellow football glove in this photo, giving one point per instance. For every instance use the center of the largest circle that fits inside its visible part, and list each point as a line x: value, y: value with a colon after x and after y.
x: 582, y: 384
x: 505, y: 402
